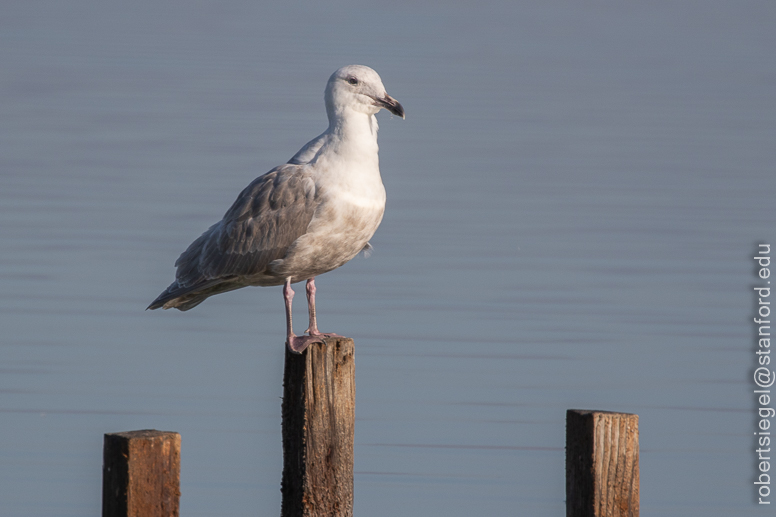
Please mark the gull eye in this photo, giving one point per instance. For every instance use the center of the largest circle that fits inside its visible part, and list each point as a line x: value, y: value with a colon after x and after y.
x: 352, y: 80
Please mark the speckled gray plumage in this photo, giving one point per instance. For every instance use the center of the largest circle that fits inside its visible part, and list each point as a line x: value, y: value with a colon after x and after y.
x: 267, y: 217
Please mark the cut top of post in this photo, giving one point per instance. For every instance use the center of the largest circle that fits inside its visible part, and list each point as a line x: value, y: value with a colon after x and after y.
x: 146, y: 434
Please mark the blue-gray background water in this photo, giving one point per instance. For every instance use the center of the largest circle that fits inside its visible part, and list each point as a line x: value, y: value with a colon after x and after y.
x: 573, y: 204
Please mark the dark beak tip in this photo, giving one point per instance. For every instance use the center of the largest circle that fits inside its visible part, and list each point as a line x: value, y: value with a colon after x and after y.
x: 391, y: 105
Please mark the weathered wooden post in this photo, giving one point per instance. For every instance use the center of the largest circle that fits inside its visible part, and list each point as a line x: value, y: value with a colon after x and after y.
x: 602, y: 464
x: 319, y: 400
x: 141, y: 474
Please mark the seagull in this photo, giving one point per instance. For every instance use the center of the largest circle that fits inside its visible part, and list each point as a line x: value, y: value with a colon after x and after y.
x: 301, y: 219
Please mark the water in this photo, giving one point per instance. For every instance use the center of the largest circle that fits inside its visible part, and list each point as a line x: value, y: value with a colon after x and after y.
x: 573, y: 202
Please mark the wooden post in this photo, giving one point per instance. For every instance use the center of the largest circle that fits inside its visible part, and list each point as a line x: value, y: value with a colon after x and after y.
x: 319, y: 400
x: 602, y: 464
x: 141, y: 474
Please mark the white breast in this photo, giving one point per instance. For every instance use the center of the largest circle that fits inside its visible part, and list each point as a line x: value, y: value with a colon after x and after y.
x: 345, y: 169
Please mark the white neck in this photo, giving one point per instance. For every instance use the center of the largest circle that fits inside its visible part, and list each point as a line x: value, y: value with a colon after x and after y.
x: 355, y: 133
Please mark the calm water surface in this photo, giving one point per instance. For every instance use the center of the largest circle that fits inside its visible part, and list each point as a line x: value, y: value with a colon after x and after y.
x: 574, y: 199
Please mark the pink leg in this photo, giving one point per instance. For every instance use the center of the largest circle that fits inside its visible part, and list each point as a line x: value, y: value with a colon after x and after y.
x: 295, y: 344
x: 313, y: 328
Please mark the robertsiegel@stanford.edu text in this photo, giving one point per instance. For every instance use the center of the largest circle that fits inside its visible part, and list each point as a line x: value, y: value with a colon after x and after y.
x: 763, y: 374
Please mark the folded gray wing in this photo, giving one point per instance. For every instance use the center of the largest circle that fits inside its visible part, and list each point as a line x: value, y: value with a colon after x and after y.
x: 267, y: 217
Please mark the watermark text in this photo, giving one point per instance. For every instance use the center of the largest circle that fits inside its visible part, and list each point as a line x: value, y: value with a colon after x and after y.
x: 764, y: 375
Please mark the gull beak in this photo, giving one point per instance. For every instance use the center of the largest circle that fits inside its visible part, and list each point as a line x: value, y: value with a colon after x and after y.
x: 391, y: 105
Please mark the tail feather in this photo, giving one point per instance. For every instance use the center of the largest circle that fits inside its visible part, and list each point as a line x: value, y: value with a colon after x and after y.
x: 185, y: 298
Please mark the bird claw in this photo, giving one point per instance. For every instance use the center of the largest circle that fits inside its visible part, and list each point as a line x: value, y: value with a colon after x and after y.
x: 298, y: 344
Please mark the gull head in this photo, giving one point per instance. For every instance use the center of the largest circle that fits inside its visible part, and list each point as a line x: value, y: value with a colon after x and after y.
x: 358, y: 88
